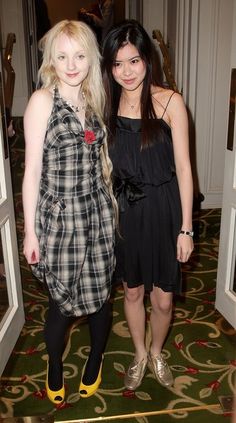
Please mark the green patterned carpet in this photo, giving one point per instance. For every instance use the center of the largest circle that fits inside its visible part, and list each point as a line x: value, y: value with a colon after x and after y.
x: 200, y: 347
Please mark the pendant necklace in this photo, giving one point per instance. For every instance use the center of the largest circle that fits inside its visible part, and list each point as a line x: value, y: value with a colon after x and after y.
x: 132, y: 106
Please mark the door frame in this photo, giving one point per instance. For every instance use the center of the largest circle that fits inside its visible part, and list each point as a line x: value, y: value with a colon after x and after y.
x: 225, y: 288
x: 13, y: 319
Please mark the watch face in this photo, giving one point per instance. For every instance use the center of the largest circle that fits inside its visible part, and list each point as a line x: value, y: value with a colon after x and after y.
x: 190, y: 233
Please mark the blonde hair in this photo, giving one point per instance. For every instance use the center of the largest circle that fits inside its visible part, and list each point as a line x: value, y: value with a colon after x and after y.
x: 92, y: 86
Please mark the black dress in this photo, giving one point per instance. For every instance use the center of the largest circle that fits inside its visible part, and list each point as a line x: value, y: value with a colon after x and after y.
x: 146, y: 187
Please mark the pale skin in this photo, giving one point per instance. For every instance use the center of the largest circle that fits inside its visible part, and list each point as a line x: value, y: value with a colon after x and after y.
x: 129, y: 71
x: 71, y: 66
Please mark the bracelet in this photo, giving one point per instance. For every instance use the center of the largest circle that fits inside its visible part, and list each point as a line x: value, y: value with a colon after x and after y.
x: 189, y: 233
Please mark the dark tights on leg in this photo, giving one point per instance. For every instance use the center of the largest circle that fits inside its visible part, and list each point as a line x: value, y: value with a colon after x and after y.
x: 56, y: 327
x: 99, y: 326
x: 55, y: 330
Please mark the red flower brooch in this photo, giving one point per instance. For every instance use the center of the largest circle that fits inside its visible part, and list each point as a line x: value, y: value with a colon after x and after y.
x: 89, y: 137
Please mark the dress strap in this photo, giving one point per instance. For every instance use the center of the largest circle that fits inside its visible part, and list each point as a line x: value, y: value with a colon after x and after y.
x: 56, y: 94
x: 167, y: 104
x: 57, y: 99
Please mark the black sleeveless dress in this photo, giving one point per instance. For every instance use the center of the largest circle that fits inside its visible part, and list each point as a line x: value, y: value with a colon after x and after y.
x: 146, y: 187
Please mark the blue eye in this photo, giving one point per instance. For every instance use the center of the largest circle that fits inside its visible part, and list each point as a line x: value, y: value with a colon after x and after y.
x: 61, y: 57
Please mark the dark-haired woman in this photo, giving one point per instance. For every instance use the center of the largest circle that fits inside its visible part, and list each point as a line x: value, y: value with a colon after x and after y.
x: 149, y: 148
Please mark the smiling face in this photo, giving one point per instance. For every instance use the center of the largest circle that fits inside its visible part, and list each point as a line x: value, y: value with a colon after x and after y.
x: 129, y: 69
x: 70, y: 61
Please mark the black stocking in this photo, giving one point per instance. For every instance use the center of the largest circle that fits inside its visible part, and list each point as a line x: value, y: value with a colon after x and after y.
x: 55, y: 329
x: 99, y: 325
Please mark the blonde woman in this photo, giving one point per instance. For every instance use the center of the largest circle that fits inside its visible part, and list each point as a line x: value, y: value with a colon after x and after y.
x: 67, y: 198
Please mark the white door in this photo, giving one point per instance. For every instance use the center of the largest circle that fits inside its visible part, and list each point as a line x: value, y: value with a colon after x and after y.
x: 11, y: 302
x: 226, y: 276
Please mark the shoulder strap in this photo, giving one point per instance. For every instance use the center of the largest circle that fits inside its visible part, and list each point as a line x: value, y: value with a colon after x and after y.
x: 167, y: 103
x: 56, y: 94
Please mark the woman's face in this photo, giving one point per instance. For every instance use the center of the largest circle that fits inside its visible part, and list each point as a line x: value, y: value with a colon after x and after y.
x: 129, y: 69
x: 70, y: 61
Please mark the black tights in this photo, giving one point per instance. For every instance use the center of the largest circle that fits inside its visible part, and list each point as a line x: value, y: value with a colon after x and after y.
x: 56, y: 327
x: 99, y: 326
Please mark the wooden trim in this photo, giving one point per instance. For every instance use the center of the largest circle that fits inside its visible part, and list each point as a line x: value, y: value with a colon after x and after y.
x: 10, y: 78
x: 145, y: 414
x: 166, y: 60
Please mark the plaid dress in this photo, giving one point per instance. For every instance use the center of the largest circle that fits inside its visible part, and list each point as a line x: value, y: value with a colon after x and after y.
x: 74, y: 216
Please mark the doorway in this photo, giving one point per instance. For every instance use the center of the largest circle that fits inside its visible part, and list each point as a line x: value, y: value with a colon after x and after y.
x: 11, y: 301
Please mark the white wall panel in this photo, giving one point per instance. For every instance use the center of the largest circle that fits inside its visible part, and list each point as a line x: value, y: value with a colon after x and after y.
x: 211, y: 114
x: 153, y: 15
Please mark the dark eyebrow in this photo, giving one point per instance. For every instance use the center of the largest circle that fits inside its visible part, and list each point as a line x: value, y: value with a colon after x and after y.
x: 131, y: 58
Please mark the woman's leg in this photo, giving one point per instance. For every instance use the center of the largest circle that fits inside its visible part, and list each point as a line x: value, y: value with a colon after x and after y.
x: 160, y: 319
x: 56, y: 326
x: 135, y: 315
x: 99, y: 326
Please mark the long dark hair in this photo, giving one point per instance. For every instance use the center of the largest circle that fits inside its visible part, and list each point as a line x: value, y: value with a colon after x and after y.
x: 130, y: 31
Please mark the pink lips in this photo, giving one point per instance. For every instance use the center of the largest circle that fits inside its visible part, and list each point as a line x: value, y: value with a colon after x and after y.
x: 72, y: 75
x: 128, y: 81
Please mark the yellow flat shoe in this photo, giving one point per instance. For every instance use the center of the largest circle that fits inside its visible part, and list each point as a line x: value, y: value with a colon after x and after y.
x: 87, y: 391
x: 57, y: 397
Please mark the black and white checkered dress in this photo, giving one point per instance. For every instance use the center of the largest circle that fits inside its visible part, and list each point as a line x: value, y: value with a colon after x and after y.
x: 74, y: 216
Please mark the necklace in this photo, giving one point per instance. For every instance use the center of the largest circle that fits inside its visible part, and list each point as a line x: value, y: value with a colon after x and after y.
x: 78, y: 108
x: 132, y: 106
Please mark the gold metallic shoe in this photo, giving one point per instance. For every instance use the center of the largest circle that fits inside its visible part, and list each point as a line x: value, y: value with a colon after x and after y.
x: 134, y: 375
x: 158, y: 365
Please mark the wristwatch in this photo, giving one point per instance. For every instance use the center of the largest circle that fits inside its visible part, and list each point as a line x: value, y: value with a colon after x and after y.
x: 189, y: 233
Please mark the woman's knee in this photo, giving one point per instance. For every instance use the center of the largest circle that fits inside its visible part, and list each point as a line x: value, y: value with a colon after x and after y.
x: 134, y: 295
x: 161, y: 301
x: 165, y: 307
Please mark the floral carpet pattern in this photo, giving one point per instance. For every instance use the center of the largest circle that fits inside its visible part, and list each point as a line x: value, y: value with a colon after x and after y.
x: 200, y: 348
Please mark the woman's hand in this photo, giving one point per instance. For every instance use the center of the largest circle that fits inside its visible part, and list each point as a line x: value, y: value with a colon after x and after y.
x: 31, y: 249
x: 184, y: 247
